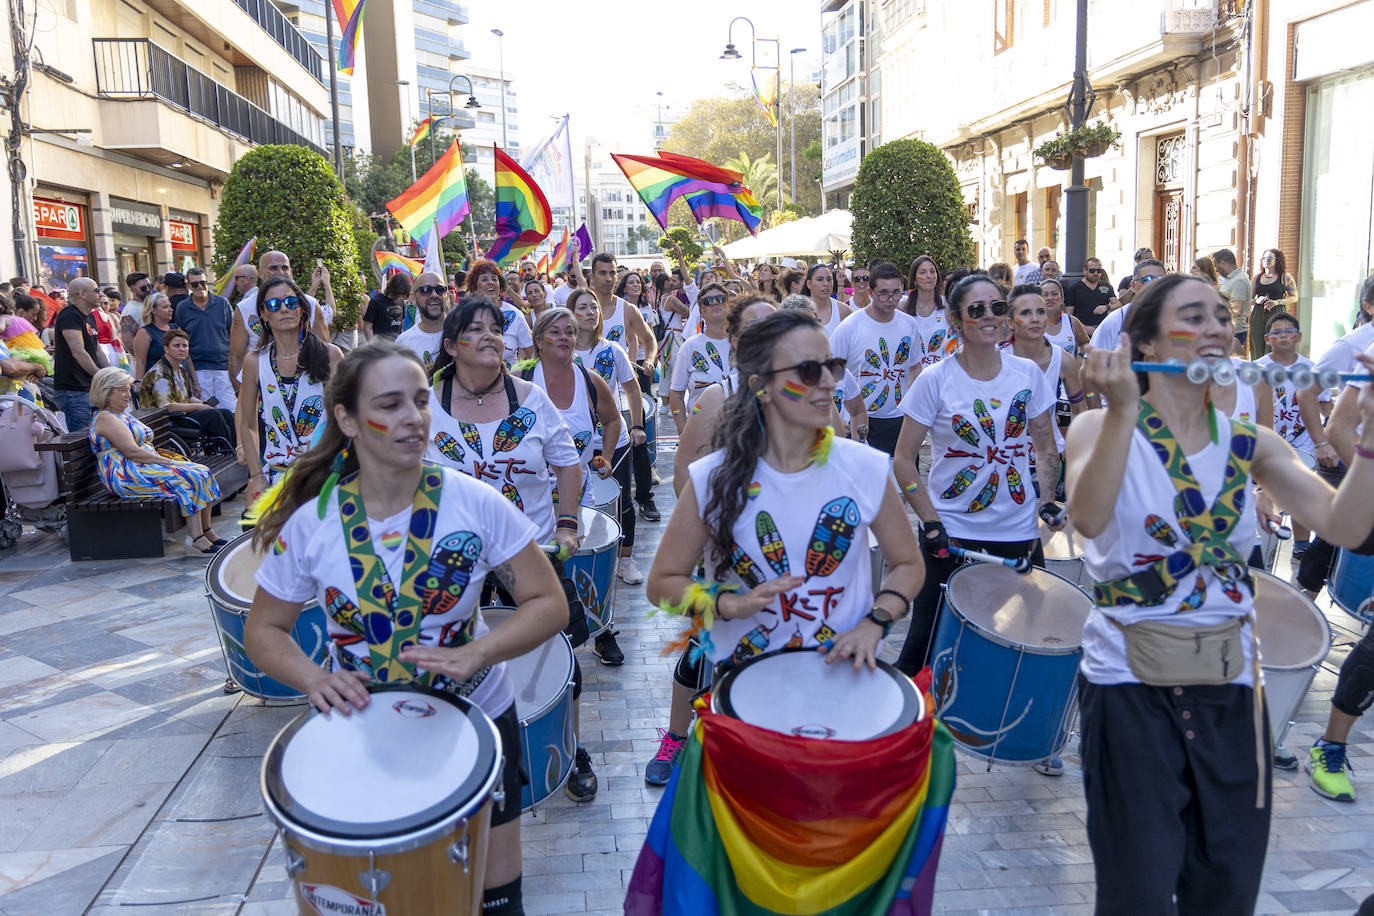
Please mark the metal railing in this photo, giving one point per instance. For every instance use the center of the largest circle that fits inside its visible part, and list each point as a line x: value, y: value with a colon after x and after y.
x: 136, y: 68
x: 285, y: 34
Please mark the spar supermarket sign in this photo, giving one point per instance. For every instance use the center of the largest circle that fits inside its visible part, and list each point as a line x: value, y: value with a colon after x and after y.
x: 56, y: 219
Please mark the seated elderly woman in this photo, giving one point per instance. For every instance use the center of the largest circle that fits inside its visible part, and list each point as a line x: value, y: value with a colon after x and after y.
x: 171, y: 383
x: 129, y: 466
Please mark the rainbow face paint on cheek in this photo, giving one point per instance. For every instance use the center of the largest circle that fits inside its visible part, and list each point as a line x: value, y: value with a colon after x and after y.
x: 1182, y: 336
x: 793, y: 391
x: 463, y: 340
x: 379, y: 430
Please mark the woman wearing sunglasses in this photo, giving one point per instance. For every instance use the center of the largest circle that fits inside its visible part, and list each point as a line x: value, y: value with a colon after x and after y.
x: 287, y: 374
x: 862, y: 293
x: 703, y: 359
x: 753, y: 506
x: 984, y: 410
x: 1029, y: 317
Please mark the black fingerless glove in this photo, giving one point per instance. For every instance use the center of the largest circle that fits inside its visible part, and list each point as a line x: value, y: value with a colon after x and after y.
x: 934, y: 539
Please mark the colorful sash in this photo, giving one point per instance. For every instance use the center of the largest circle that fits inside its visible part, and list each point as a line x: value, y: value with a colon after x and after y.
x: 387, y: 623
x: 290, y: 411
x: 1207, y: 529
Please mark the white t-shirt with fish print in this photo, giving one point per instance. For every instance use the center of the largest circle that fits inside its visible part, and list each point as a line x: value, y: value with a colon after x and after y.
x: 980, y: 445
x: 812, y: 523
x: 700, y: 363
x: 879, y: 353
x: 936, y: 340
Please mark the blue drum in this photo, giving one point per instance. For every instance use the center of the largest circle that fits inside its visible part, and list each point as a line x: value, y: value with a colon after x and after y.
x: 1352, y: 585
x: 229, y: 587
x: 592, y: 568
x: 542, y: 680
x: 650, y: 421
x: 1005, y: 660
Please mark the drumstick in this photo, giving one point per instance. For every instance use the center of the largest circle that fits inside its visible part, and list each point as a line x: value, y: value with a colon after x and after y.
x: 1224, y: 372
x: 1279, y: 529
x: 1020, y: 564
x: 527, y: 695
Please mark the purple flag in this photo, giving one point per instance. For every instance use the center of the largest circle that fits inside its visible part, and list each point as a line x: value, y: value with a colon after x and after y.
x: 584, y: 243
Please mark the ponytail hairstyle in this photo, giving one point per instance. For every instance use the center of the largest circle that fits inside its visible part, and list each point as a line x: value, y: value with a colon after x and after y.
x: 459, y: 319
x: 331, y: 455
x: 314, y: 358
x: 740, y: 430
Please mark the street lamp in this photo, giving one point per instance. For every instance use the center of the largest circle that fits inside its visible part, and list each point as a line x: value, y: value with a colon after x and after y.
x: 658, y: 134
x: 792, y: 112
x: 401, y: 84
x: 448, y: 93
x: 1079, y: 105
x: 501, y: 56
x: 731, y: 53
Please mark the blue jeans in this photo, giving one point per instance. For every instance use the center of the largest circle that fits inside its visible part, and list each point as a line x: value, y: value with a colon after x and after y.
x: 76, y: 406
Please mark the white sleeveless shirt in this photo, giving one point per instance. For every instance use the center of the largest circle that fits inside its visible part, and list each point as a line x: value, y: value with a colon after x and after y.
x: 1063, y: 338
x: 289, y: 417
x: 577, y: 417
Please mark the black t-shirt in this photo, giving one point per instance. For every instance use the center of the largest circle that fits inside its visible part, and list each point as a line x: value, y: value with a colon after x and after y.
x: 67, y: 372
x: 384, y: 315
x: 1082, y: 300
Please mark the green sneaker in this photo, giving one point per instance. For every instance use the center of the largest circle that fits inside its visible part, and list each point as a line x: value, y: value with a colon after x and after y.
x: 1326, y: 772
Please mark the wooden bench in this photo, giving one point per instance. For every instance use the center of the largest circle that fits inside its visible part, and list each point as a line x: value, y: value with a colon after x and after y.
x: 102, y: 526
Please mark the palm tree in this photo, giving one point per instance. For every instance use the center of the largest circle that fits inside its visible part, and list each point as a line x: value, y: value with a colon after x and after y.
x: 760, y: 175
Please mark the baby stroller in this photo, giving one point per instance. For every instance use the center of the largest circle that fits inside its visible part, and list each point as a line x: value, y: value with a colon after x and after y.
x: 28, y: 477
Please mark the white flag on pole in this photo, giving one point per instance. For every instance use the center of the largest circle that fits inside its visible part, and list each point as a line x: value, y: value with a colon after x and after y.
x: 550, y: 164
x: 434, y: 253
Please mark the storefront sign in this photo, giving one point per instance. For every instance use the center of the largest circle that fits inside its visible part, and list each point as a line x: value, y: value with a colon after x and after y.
x: 840, y: 163
x: 56, y: 219
x: 135, y: 218
x: 183, y: 235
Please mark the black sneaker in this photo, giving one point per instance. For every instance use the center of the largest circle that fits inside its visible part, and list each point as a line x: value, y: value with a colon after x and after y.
x: 608, y: 650
x: 581, y: 784
x: 648, y: 511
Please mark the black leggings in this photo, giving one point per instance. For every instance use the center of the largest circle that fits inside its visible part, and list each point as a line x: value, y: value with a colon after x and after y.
x: 639, y: 455
x: 1355, y: 686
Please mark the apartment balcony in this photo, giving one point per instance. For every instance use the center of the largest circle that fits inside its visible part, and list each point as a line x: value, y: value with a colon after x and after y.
x: 251, y: 33
x: 156, y: 107
x: 285, y: 34
x: 452, y: 13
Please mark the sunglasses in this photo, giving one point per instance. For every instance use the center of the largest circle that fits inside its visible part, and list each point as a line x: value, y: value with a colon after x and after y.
x: 976, y: 310
x: 713, y: 300
x: 286, y: 302
x: 431, y: 290
x: 145, y: 288
x: 1147, y: 280
x: 199, y: 284
x: 1092, y: 270
x: 861, y: 279
x: 809, y: 370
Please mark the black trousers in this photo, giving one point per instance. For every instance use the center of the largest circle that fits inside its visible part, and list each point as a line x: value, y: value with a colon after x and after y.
x: 639, y: 454
x: 1316, y: 563
x: 883, y: 433
x: 1170, y: 779
x: 1355, y: 686
x: 621, y: 463
x: 925, y: 609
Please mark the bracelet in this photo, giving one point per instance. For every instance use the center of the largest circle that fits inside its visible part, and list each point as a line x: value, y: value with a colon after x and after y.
x: 1364, y: 452
x: 640, y: 428
x: 1078, y: 398
x: 566, y: 524
x: 906, y: 602
x: 258, y: 474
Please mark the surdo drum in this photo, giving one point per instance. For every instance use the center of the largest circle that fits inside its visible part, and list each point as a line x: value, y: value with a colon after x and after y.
x: 1294, y: 639
x: 592, y: 568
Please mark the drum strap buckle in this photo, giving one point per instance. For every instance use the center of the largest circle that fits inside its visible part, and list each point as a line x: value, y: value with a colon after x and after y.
x: 374, y: 879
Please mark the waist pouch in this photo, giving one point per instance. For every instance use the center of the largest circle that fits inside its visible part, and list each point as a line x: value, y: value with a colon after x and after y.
x: 1168, y: 655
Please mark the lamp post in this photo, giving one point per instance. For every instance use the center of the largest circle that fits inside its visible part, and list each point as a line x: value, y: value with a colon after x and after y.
x: 471, y: 104
x: 792, y: 112
x: 402, y: 84
x: 1079, y: 105
x: 658, y: 134
x: 501, y: 57
x: 731, y: 53
x: 333, y: 88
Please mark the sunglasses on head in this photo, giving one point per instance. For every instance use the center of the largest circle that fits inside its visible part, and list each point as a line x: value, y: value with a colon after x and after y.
x: 199, y: 284
x: 976, y: 310
x: 712, y: 300
x: 431, y: 290
x: 809, y: 370
x: 285, y: 302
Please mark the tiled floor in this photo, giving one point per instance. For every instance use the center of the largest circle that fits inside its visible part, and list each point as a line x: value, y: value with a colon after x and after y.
x: 129, y: 780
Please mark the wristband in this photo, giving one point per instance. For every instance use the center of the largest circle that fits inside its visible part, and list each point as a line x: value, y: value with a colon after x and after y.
x: 886, y: 625
x: 640, y: 428
x: 1364, y: 452
x: 1078, y: 398
x: 906, y: 602
x: 566, y: 525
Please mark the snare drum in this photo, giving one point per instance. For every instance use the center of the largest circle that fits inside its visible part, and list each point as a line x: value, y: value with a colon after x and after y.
x: 605, y: 494
x: 387, y: 809
x: 838, y: 702
x: 1294, y: 639
x: 1064, y: 555
x: 542, y: 680
x: 1352, y: 584
x: 592, y: 568
x: 229, y: 587
x: 1005, y: 660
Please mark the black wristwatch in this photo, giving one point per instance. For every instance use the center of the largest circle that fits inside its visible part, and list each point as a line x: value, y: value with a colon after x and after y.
x: 882, y: 618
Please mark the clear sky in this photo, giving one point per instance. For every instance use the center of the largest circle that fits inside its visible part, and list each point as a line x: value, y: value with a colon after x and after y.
x: 604, y: 61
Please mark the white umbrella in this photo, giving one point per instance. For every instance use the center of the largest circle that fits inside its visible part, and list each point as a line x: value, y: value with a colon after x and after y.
x: 809, y: 236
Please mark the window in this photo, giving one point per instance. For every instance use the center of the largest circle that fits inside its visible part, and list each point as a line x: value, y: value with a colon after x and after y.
x: 1003, y: 25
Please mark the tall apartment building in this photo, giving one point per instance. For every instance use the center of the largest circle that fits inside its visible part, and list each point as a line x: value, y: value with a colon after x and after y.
x: 845, y: 94
x: 137, y: 110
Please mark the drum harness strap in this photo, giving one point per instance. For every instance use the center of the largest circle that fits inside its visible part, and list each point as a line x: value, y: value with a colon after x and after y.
x: 1208, y: 531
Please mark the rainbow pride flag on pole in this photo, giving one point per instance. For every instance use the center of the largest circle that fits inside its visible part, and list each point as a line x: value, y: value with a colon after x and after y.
x: 390, y: 260
x: 440, y: 195
x: 523, y: 218
x: 561, y: 257
x: 350, y: 16
x: 244, y: 256
x: 709, y: 190
x: 422, y: 130
x: 754, y: 823
x: 765, y: 80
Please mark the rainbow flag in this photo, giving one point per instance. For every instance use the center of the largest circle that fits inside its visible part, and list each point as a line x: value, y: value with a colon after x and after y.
x: 709, y: 190
x: 245, y: 256
x: 561, y: 257
x: 441, y: 195
x: 523, y: 219
x: 542, y: 267
x: 422, y: 130
x: 350, y: 16
x: 390, y: 260
x: 755, y: 822
x: 766, y: 91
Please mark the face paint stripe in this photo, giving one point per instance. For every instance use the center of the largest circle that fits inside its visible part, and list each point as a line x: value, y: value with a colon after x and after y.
x: 379, y: 430
x: 792, y: 391
x: 1182, y: 336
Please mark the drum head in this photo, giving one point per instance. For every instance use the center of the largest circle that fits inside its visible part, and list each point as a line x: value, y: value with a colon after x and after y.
x: 229, y: 577
x: 794, y: 692
x: 540, y: 676
x: 1293, y: 632
x: 599, y: 530
x: 1061, y: 545
x: 406, y: 761
x: 1038, y: 610
x: 604, y: 489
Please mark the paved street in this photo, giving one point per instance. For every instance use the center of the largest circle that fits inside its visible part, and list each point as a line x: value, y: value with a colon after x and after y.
x: 129, y: 780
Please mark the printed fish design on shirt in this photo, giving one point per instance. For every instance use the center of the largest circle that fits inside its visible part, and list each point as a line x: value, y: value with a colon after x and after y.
x: 699, y: 363
x: 1015, y: 488
x: 961, y: 482
x: 903, y: 352
x: 936, y: 340
x: 832, y: 536
x: 986, y: 496
x: 279, y: 419
x: 1016, y: 415
x: 752, y: 643
x: 513, y: 430
x: 1196, y: 597
x: 271, y: 435
x: 712, y: 352
x: 882, y: 351
x: 605, y: 364
x: 879, y: 401
x: 964, y: 429
x: 582, y: 440
x: 745, y: 567
x: 309, y: 416
x: 509, y: 492
x: 871, y: 358
x: 616, y: 333
x: 868, y: 389
x: 341, y: 610
x: 507, y: 317
x: 795, y: 641
x: 1157, y: 528
x: 770, y: 542
x: 471, y: 436
x: 448, y: 447
x: 441, y: 585
x: 980, y: 410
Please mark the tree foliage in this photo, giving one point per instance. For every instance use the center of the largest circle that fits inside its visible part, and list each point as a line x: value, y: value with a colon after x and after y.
x: 686, y: 240
x: 288, y: 197
x: 907, y: 203
x: 760, y: 174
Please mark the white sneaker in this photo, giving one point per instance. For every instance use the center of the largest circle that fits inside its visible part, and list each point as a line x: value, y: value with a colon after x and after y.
x: 628, y: 572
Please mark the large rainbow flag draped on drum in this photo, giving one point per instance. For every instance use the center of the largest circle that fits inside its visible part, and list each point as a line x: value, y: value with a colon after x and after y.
x: 755, y: 822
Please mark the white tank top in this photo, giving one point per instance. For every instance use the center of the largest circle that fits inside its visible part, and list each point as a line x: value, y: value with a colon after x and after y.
x: 613, y: 326
x: 1063, y: 338
x: 1052, y: 376
x: 835, y: 317
x: 289, y: 414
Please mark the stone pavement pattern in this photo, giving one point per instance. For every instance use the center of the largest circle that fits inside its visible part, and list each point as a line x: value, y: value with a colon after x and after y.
x: 129, y: 780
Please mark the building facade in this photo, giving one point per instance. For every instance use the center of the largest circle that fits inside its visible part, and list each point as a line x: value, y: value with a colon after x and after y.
x: 845, y: 95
